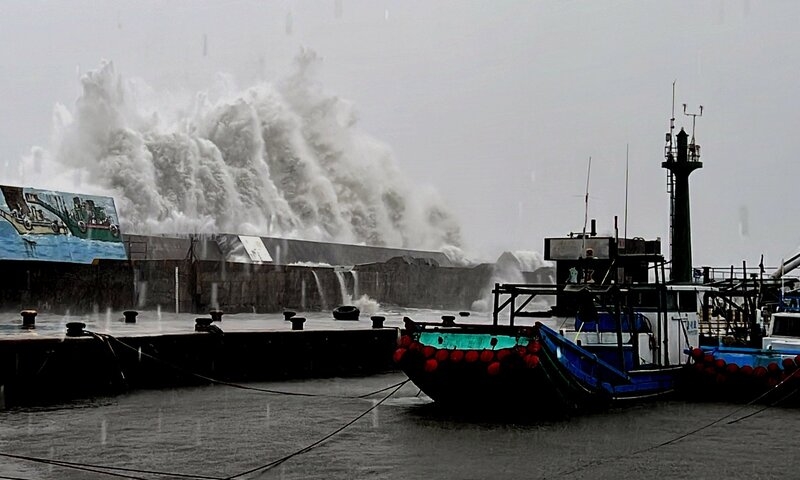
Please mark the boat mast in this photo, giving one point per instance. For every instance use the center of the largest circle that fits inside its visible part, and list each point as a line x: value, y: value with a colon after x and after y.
x: 586, y: 208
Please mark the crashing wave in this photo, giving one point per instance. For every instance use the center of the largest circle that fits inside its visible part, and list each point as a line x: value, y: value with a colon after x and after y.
x: 280, y: 159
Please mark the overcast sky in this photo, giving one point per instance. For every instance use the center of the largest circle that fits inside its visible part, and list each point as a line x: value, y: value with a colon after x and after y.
x: 498, y: 105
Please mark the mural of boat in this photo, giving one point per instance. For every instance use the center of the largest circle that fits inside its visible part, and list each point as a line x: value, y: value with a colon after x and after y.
x: 25, y: 218
x: 82, y: 218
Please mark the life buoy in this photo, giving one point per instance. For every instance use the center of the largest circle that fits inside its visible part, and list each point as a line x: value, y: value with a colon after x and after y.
x: 114, y: 230
x: 82, y: 226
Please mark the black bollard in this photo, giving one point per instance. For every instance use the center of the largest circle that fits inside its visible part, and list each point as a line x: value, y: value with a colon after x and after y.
x: 75, y: 329
x: 216, y: 315
x: 202, y: 324
x: 28, y: 318
x: 288, y: 314
x: 130, y: 316
x: 463, y: 314
x: 377, y: 321
x: 297, y: 323
x: 448, y: 321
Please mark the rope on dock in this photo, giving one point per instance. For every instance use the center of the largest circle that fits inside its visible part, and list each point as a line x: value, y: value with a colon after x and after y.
x: 237, y: 385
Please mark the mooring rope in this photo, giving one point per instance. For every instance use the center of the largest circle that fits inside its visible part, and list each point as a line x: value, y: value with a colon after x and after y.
x: 240, y: 386
x: 317, y: 443
x: 105, y: 469
x: 696, y: 430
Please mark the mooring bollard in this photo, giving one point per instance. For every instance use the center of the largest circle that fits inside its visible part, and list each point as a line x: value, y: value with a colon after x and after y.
x: 28, y: 318
x: 202, y: 324
x: 130, y: 316
x: 216, y: 315
x: 288, y: 314
x: 448, y: 321
x: 297, y: 322
x: 75, y: 329
x: 463, y: 314
x: 377, y: 321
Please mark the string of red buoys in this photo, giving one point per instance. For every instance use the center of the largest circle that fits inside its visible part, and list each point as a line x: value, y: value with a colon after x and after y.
x: 707, y: 366
x: 496, y: 361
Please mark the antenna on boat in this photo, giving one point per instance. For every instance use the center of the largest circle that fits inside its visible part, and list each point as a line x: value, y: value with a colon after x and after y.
x: 625, y: 227
x: 586, y: 207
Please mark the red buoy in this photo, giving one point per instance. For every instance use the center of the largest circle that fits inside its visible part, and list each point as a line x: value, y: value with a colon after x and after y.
x: 719, y: 363
x: 534, y: 346
x: 699, y: 367
x: 732, y: 368
x: 493, y: 368
x: 708, y: 358
x: 431, y: 365
x: 773, y: 367
x: 746, y: 370
x: 532, y: 361
x: 471, y: 356
x: 788, y: 364
x: 398, y: 354
x: 501, y: 354
x: 760, y: 371
x: 405, y: 341
x: 415, y: 347
x: 487, y: 356
x: 697, y: 354
x: 428, y: 351
x: 456, y: 355
x: 442, y: 355
x: 797, y: 360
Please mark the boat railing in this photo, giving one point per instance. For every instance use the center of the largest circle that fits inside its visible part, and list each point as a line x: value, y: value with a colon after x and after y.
x: 527, y: 292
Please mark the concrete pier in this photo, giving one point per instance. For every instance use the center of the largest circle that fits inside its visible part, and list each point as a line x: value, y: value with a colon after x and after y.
x: 46, y: 365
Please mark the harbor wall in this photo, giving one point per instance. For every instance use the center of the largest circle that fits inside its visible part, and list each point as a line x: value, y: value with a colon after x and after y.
x: 199, y: 286
x: 47, y: 370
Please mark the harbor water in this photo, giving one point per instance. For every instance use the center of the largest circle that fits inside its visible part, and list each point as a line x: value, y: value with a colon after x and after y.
x: 220, y: 431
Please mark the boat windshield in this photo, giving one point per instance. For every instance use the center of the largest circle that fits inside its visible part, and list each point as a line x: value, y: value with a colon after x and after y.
x: 786, y: 326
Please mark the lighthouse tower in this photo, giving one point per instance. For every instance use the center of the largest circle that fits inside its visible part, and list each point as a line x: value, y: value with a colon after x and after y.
x: 680, y: 166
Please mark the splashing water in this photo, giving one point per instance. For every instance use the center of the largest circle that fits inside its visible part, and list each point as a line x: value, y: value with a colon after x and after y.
x: 346, y: 298
x: 320, y: 291
x: 283, y: 159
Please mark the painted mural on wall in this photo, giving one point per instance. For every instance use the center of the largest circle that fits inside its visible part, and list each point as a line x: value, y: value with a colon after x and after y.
x: 57, y: 226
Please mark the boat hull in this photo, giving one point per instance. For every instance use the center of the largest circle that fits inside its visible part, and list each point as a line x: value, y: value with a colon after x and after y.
x: 744, y: 375
x: 531, y: 370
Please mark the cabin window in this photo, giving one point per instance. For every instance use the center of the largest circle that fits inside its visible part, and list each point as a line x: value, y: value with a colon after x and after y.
x: 786, y: 326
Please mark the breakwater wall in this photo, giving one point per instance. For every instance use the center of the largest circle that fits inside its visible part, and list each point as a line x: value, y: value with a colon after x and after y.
x: 44, y: 370
x: 197, y: 286
x: 192, y: 285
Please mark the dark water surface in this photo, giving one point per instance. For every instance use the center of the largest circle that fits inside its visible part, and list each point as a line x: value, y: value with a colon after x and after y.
x: 219, y: 431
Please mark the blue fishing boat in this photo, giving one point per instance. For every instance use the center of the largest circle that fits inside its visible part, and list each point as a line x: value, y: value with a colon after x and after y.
x: 756, y: 364
x: 620, y: 328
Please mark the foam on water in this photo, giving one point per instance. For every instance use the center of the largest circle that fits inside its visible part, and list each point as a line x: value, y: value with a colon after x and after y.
x: 283, y: 158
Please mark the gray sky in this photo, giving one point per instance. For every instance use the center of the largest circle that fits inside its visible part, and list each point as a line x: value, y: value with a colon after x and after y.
x: 498, y: 105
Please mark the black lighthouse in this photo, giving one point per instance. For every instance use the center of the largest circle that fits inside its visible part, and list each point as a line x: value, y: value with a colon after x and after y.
x: 687, y: 161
